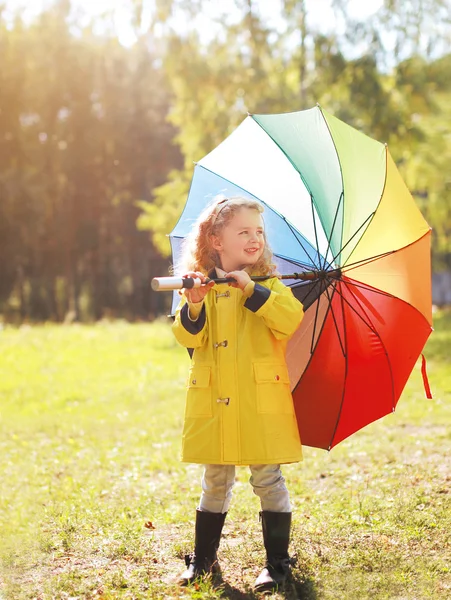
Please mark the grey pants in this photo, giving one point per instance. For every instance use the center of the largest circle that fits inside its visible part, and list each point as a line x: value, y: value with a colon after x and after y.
x: 266, y: 480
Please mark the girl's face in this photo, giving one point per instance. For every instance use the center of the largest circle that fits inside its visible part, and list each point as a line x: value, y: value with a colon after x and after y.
x: 241, y: 242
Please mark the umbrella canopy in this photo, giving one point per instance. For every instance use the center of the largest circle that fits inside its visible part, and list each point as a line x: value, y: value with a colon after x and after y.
x: 334, y: 199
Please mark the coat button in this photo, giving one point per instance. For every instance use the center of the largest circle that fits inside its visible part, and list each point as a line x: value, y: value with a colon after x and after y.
x: 193, y: 382
x: 277, y: 378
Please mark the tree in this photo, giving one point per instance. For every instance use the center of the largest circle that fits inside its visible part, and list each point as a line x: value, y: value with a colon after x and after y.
x: 253, y: 66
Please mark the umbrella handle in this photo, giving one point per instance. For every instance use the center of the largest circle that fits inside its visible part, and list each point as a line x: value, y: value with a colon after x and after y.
x: 162, y: 284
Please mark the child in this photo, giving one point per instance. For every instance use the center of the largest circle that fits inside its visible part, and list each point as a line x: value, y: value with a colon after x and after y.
x: 239, y: 408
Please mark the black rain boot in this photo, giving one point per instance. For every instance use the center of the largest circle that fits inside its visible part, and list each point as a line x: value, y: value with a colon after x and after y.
x: 276, y: 536
x: 203, y: 560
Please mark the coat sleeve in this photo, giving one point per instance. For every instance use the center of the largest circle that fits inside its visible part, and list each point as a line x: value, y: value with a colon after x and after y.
x: 188, y: 332
x: 278, y: 307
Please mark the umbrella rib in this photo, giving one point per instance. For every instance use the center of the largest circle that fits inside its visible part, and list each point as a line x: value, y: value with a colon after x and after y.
x: 335, y: 323
x: 314, y: 325
x: 381, y: 342
x: 293, y: 261
x: 373, y: 289
x: 376, y: 333
x: 379, y: 202
x: 346, y: 368
x: 368, y: 288
x: 363, y: 310
x: 310, y: 291
x: 316, y: 234
x: 287, y: 156
x: 316, y: 315
x: 356, y: 312
x: 299, y: 241
x: 341, y: 174
x: 357, y: 263
x: 365, y: 261
x: 353, y: 236
x: 275, y: 211
x: 304, y: 181
x: 319, y: 335
x: 332, y: 230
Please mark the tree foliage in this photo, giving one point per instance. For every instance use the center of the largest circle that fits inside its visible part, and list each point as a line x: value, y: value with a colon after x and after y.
x: 397, y: 90
x: 83, y: 135
x: 98, y: 140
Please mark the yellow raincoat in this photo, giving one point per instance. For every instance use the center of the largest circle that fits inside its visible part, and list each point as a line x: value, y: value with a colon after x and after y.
x: 239, y: 408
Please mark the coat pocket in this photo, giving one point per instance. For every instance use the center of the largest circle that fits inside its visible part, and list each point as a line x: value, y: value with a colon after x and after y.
x: 198, y: 397
x: 272, y: 383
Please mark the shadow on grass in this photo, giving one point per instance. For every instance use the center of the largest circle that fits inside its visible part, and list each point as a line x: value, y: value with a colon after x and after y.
x: 295, y: 589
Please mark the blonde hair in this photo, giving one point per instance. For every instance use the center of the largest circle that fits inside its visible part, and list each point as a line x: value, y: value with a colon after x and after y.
x: 197, y: 252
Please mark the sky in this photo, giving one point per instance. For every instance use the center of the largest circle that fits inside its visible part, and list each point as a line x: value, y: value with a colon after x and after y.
x: 319, y: 14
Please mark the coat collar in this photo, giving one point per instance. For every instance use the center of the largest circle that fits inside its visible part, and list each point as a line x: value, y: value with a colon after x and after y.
x: 212, y: 273
x: 217, y: 272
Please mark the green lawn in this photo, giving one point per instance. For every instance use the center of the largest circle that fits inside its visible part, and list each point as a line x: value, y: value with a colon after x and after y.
x: 94, y: 502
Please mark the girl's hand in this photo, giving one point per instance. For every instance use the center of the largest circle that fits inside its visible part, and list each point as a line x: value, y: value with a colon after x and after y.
x: 242, y: 279
x: 197, y: 294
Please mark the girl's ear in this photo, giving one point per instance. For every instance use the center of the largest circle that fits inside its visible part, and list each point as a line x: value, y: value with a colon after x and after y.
x: 215, y: 242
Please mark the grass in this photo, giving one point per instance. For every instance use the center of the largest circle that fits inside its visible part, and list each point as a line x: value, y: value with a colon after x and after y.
x: 94, y: 502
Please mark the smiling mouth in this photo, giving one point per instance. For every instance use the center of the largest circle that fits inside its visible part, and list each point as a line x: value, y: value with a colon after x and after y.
x: 251, y: 250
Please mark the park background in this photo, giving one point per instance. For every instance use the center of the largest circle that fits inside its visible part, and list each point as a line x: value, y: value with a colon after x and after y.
x: 104, y: 107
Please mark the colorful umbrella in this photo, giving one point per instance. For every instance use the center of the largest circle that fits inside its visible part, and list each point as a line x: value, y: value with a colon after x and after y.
x: 334, y: 199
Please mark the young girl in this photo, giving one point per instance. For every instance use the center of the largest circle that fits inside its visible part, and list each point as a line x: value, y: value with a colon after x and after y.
x: 239, y: 408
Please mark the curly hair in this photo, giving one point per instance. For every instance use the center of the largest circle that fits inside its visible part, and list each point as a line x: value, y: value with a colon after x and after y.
x: 197, y: 252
